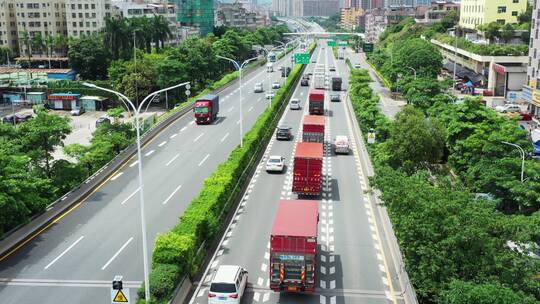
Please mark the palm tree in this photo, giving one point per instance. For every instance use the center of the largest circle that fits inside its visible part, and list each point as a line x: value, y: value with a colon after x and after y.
x: 38, y: 43
x: 142, y: 28
x: 26, y: 40
x: 60, y: 43
x: 161, y: 31
x: 116, y: 35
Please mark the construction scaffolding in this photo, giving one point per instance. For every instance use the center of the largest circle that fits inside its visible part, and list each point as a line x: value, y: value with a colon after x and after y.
x: 197, y: 13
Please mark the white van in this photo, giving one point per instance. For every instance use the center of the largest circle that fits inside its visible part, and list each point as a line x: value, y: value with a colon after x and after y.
x: 228, y: 285
x: 270, y: 67
x: 341, y: 144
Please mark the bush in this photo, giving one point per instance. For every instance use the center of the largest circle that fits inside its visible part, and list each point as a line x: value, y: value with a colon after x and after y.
x: 163, y: 279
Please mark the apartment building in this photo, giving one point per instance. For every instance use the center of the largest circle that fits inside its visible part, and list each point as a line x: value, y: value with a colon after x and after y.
x: 8, y: 25
x: 350, y: 17
x: 86, y: 16
x: 531, y: 91
x: 476, y: 12
x: 375, y: 23
x: 236, y: 15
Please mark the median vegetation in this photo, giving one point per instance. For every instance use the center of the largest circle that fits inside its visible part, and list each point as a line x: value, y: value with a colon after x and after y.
x: 430, y: 164
x: 180, y: 252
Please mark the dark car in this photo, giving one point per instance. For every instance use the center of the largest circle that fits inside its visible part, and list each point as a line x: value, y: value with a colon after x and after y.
x: 525, y: 116
x: 536, y: 147
x: 304, y: 82
x: 335, y: 97
x: 285, y: 71
x: 283, y: 132
x: 102, y: 120
x: 22, y: 117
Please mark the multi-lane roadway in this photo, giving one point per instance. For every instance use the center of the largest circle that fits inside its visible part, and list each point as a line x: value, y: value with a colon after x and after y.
x: 75, y: 260
x: 354, y: 263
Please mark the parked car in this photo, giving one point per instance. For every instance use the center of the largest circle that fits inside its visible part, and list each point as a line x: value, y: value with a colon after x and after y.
x: 335, y: 97
x: 77, y: 112
x: 102, y: 120
x: 228, y: 285
x: 357, y: 66
x: 275, y: 163
x: 22, y: 117
x: 509, y: 107
x: 295, y: 104
x: 258, y: 87
x: 283, y: 132
x: 341, y: 144
x: 10, y: 119
x: 276, y: 85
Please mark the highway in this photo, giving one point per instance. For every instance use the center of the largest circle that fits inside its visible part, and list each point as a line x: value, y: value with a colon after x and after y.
x: 354, y: 264
x: 75, y: 260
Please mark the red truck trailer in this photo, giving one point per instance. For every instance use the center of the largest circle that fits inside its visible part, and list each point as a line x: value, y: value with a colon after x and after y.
x: 206, y: 109
x: 313, y: 129
x: 316, y: 102
x: 293, y: 246
x: 307, y: 171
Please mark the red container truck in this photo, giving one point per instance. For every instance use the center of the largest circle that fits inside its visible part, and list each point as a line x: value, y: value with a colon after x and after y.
x: 293, y: 246
x: 206, y: 109
x: 316, y: 102
x: 307, y: 171
x: 313, y: 129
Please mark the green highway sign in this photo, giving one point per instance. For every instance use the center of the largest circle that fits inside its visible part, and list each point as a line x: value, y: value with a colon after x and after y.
x: 331, y: 43
x: 301, y: 58
x: 367, y: 47
x: 343, y: 43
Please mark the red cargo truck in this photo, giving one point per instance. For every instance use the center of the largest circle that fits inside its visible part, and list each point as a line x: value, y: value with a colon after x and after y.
x: 307, y: 171
x: 293, y: 246
x: 206, y: 109
x: 316, y: 102
x: 313, y: 129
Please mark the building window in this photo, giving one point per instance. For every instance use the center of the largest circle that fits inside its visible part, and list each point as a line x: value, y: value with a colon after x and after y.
x: 79, y: 6
x: 93, y: 6
x: 72, y: 6
x: 515, y: 1
x: 74, y: 24
x: 501, y: 21
x: 94, y: 24
x: 86, y: 6
x: 73, y: 15
x: 501, y: 9
x: 514, y: 13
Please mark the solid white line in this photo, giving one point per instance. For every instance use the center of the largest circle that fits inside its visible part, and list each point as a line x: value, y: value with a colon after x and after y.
x: 162, y: 144
x: 204, y: 159
x: 170, y: 196
x: 117, y: 176
x: 63, y: 283
x: 198, y: 137
x: 183, y: 129
x: 149, y: 153
x: 130, y: 196
x: 226, y: 135
x: 134, y: 163
x: 169, y: 162
x: 117, y: 253
x: 64, y: 252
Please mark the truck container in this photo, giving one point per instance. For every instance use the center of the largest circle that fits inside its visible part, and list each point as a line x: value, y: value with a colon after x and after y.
x: 206, y: 109
x: 293, y: 246
x: 313, y: 128
x: 319, y: 80
x: 336, y: 83
x: 316, y: 102
x: 307, y: 168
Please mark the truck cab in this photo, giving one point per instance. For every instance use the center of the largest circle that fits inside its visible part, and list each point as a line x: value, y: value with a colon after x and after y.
x: 206, y: 109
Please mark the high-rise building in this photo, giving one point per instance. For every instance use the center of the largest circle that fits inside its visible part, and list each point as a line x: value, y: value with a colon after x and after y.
x: 477, y: 12
x: 198, y: 13
x: 85, y: 16
x: 531, y: 92
x: 320, y: 7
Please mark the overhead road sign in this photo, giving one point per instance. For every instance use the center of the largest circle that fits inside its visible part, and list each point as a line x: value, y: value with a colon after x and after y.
x: 367, y: 47
x: 331, y: 43
x: 343, y: 43
x: 301, y: 58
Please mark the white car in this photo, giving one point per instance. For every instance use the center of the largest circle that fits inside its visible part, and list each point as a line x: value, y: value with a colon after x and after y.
x: 270, y: 95
x: 357, y: 66
x: 258, y: 88
x: 228, y: 285
x: 341, y: 144
x: 276, y: 85
x: 295, y: 104
x: 509, y: 107
x: 275, y: 163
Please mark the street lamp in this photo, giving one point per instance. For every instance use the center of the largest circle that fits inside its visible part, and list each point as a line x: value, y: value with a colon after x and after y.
x: 239, y: 67
x: 522, y: 157
x: 136, y: 111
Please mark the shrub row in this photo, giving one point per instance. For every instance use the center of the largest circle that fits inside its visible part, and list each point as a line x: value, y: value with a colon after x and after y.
x: 176, y: 252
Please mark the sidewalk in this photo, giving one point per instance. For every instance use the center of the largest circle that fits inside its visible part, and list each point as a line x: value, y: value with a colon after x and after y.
x: 389, y: 106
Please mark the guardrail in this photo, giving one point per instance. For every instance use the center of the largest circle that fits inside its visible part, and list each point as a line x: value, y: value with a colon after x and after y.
x: 22, y: 234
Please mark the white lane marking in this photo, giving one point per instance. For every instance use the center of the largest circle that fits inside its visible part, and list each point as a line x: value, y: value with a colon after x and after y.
x: 263, y: 267
x: 170, y: 196
x: 230, y: 109
x: 130, y: 196
x: 183, y: 129
x: 260, y: 281
x: 201, y: 292
x: 192, y: 122
x: 172, y: 159
x: 173, y: 136
x: 162, y: 143
x: 117, y: 176
x: 224, y: 137
x: 134, y: 163
x: 251, y: 108
x: 117, y: 253
x: 204, y: 159
x: 64, y: 252
x: 198, y: 137
x: 238, y: 122
x: 150, y: 153
x: 266, y: 297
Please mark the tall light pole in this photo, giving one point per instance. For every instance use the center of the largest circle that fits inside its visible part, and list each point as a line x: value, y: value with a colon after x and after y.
x: 522, y: 157
x: 239, y: 66
x: 136, y: 111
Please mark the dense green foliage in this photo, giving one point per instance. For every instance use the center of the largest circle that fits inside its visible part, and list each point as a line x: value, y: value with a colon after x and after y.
x: 89, y: 57
x: 175, y: 253
x: 488, y: 50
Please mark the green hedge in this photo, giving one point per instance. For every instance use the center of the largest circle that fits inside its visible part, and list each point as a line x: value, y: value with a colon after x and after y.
x: 203, y: 218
